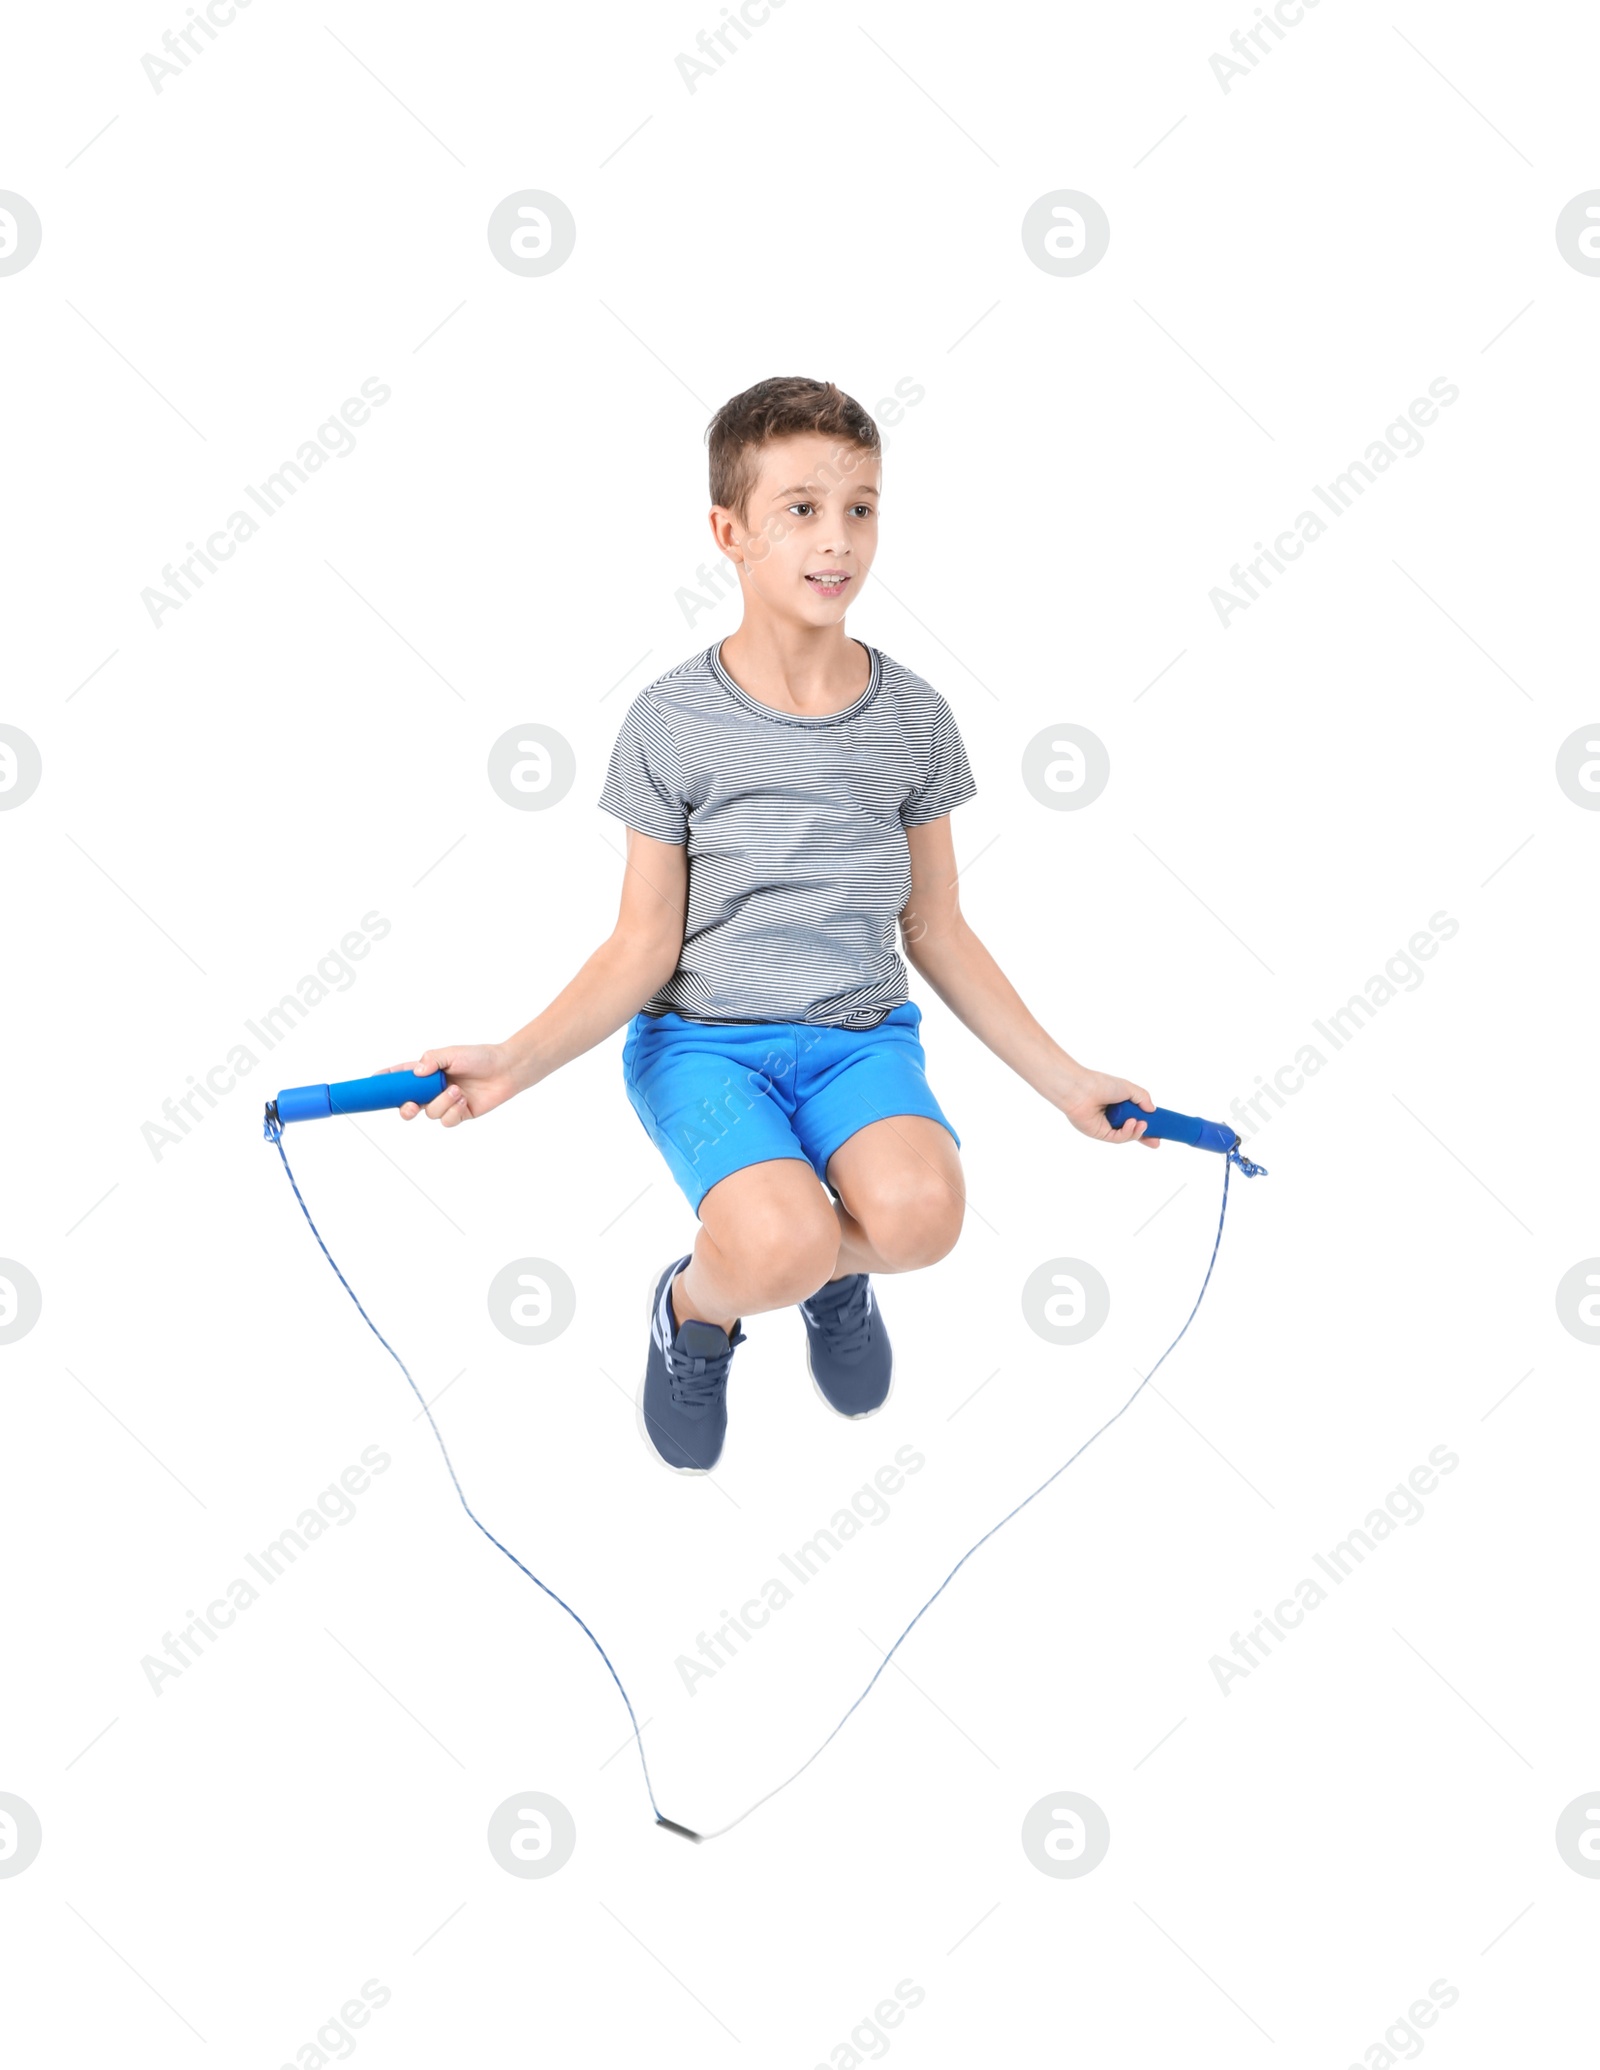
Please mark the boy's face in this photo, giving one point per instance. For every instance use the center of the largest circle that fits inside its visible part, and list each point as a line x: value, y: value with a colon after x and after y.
x: 810, y: 530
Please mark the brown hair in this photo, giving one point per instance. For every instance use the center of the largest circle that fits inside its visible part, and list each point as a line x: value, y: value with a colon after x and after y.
x: 776, y: 409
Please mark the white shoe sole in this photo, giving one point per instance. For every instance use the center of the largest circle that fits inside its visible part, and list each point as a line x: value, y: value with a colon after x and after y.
x: 684, y: 1472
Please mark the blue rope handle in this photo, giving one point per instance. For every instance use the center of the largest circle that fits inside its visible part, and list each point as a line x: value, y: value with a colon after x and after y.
x: 272, y: 1129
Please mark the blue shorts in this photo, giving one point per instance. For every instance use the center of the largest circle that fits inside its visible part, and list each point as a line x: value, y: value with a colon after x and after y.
x: 715, y: 1097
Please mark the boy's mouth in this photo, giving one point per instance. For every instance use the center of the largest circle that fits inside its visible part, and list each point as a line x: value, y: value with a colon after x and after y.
x: 828, y: 585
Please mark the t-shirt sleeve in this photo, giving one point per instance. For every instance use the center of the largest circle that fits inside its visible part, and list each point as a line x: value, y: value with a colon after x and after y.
x: 643, y: 786
x: 948, y: 782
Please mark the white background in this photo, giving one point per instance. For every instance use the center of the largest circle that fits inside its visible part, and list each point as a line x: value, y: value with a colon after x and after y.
x: 305, y: 741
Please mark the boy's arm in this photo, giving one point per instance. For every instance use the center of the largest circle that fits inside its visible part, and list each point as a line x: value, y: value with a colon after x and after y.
x: 630, y: 965
x: 942, y: 948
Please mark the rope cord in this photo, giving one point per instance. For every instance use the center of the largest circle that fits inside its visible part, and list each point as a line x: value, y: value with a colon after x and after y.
x: 1022, y: 1505
x: 272, y: 1129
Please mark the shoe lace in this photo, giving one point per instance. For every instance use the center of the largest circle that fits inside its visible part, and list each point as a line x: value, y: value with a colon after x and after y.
x: 842, y: 1313
x: 696, y: 1381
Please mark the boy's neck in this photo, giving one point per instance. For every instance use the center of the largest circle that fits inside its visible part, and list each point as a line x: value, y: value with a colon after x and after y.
x: 805, y: 669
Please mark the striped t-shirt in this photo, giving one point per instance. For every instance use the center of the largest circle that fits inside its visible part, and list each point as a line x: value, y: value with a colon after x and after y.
x: 795, y: 827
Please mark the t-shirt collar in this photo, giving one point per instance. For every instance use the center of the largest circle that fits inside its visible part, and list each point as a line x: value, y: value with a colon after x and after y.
x: 743, y: 697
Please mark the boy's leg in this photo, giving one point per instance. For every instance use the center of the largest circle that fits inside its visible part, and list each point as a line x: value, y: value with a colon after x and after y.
x: 768, y: 1238
x: 901, y: 1196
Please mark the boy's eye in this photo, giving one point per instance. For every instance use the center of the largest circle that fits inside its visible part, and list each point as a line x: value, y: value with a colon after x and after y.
x: 856, y: 509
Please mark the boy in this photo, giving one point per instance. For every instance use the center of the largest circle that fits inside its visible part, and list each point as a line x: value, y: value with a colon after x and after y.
x: 787, y: 795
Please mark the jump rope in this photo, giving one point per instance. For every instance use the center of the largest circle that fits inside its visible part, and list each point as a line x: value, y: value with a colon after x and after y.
x: 395, y: 1088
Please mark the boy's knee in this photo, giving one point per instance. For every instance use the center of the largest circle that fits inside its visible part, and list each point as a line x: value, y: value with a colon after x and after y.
x: 916, y: 1227
x: 779, y: 1256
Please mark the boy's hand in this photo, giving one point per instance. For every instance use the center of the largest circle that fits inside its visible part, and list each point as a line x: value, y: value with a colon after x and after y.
x: 478, y: 1080
x: 1091, y: 1093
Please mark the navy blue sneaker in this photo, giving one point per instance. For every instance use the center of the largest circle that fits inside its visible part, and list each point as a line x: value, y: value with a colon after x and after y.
x: 683, y: 1404
x: 848, y: 1348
